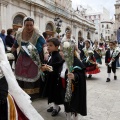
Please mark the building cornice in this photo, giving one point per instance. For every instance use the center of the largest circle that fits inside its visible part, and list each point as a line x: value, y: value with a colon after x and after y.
x: 58, y: 11
x: 5, y: 3
x: 70, y: 16
x: 117, y: 4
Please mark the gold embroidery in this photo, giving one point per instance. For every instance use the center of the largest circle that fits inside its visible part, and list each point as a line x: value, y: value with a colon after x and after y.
x: 72, y: 87
x: 12, y: 108
x: 32, y: 91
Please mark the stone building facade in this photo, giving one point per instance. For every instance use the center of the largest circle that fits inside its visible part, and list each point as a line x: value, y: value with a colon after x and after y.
x: 98, y: 16
x: 12, y: 13
x: 117, y: 17
x: 107, y: 28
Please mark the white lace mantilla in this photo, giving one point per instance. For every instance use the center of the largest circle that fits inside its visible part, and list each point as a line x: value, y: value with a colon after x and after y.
x: 33, y: 39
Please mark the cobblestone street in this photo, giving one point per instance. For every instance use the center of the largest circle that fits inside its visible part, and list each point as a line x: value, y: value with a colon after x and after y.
x: 103, y: 99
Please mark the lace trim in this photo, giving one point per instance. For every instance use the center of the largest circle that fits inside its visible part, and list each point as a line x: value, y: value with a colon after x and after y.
x: 25, y: 41
x: 33, y: 39
x: 28, y: 79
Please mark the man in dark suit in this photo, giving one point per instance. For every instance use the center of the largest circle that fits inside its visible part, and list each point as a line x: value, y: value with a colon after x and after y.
x: 81, y: 45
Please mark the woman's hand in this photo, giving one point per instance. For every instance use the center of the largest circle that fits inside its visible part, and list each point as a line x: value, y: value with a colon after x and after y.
x: 46, y: 67
x: 43, y: 67
x: 71, y: 76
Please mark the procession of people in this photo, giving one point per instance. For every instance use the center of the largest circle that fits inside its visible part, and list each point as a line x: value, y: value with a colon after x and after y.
x: 56, y: 69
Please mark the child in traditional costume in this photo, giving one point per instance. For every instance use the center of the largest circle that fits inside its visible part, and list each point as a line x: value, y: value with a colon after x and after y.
x: 111, y: 56
x: 73, y: 82
x: 53, y: 84
x: 97, y: 52
x: 89, y: 60
x: 15, y: 104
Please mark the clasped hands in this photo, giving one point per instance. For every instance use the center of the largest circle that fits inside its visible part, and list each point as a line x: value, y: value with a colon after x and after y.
x: 46, y: 67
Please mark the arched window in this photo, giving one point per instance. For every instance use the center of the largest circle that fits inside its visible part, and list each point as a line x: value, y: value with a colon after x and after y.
x: 79, y: 34
x: 50, y: 30
x: 18, y: 20
x: 102, y: 26
x: 67, y: 29
x: 88, y: 35
x: 49, y: 27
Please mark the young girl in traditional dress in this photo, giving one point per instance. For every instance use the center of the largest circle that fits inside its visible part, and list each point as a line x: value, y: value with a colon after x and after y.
x: 15, y: 104
x: 77, y: 104
x: 68, y: 37
x: 89, y: 60
x: 97, y: 52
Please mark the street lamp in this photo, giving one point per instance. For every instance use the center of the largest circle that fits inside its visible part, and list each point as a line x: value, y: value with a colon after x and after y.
x: 58, y: 23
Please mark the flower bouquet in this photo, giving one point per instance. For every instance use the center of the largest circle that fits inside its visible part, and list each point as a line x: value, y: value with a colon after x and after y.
x: 32, y: 52
x: 90, y: 53
x: 68, y: 51
x: 115, y: 54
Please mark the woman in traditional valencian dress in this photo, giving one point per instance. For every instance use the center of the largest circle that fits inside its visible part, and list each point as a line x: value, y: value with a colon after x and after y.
x: 97, y: 52
x: 27, y: 69
x: 15, y: 104
x: 68, y: 37
x: 89, y: 60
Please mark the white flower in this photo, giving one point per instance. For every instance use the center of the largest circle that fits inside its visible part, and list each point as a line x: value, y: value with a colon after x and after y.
x: 66, y: 44
x: 30, y: 47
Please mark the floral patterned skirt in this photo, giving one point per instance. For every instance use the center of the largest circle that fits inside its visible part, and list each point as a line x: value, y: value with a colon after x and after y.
x: 92, y: 69
x: 28, y: 76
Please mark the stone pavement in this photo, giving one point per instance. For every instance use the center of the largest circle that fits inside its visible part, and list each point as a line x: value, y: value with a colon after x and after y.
x: 103, y: 99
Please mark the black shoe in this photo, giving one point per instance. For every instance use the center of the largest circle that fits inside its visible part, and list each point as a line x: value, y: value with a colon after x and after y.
x: 89, y: 76
x: 115, y: 77
x: 108, y: 80
x: 55, y: 112
x: 50, y: 109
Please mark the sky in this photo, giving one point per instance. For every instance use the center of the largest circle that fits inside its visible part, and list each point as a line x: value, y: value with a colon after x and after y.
x: 108, y: 4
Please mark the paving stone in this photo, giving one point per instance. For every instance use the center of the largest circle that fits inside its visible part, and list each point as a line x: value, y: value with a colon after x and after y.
x: 103, y: 99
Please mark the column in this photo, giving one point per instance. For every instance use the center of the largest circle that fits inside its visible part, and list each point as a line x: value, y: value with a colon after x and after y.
x: 32, y: 11
x: 3, y: 15
x: 37, y: 20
